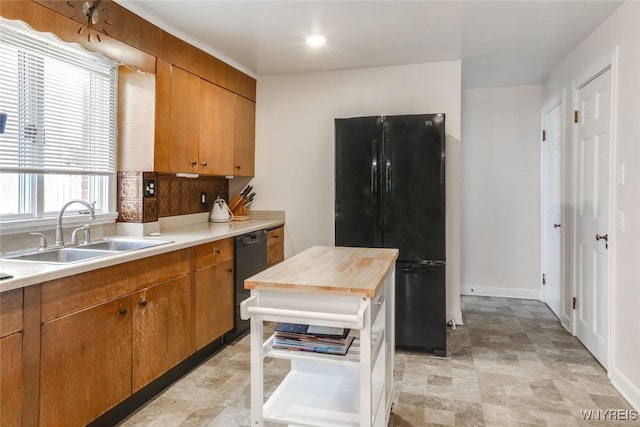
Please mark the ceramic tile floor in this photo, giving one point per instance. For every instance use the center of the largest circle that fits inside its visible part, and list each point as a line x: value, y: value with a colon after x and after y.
x: 510, y: 364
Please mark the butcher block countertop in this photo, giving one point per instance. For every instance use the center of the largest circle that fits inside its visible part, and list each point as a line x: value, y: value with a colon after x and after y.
x: 328, y: 269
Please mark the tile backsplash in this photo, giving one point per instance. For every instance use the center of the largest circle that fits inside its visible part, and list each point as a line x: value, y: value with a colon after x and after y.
x: 171, y: 195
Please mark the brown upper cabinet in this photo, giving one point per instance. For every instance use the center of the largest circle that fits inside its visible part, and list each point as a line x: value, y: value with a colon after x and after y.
x: 216, y: 129
x: 245, y: 137
x: 185, y: 122
x: 201, y: 127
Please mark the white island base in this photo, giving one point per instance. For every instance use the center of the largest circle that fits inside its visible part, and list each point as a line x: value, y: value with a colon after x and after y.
x: 341, y: 287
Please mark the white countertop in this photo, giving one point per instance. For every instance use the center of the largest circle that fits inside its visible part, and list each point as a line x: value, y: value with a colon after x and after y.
x: 29, y: 273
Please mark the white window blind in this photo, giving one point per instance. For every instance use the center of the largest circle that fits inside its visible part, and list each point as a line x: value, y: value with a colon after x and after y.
x: 61, y: 105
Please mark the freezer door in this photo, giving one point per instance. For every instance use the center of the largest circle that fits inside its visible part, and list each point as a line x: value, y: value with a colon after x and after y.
x: 357, y: 220
x: 413, y: 214
x: 421, y: 308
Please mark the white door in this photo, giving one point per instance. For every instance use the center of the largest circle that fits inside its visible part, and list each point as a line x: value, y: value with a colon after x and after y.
x: 592, y: 195
x: 551, y: 209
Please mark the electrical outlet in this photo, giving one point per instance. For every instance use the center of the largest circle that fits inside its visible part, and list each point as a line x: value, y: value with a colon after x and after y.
x: 149, y: 188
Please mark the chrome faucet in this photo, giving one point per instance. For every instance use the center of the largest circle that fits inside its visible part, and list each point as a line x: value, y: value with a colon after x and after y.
x: 87, y: 235
x: 59, y: 230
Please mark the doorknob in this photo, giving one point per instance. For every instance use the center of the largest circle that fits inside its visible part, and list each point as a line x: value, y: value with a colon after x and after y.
x: 604, y: 237
x: 556, y: 225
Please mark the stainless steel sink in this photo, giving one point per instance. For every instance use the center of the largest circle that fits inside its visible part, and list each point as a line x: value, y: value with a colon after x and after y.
x: 122, y: 245
x: 61, y: 256
x: 102, y: 248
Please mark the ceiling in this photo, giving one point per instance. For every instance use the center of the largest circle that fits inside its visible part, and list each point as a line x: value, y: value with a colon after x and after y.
x: 500, y: 43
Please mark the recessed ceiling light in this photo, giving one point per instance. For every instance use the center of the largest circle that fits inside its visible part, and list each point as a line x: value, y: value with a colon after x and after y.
x: 316, y: 40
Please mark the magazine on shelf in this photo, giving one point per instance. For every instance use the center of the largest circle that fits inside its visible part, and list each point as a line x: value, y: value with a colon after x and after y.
x: 319, y: 339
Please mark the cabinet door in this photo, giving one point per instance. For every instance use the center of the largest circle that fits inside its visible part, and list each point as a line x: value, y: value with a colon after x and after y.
x: 245, y: 137
x: 275, y: 254
x: 216, y: 130
x: 161, y: 329
x: 162, y: 145
x: 223, y: 307
x: 185, y: 121
x: 85, y: 363
x: 214, y: 302
x: 11, y: 380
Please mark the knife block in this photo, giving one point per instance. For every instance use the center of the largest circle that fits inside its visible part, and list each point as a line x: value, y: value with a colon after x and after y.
x: 241, y: 213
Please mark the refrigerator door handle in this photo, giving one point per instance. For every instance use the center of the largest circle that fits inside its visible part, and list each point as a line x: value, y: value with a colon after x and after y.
x: 442, y: 160
x: 374, y: 168
x: 388, y: 176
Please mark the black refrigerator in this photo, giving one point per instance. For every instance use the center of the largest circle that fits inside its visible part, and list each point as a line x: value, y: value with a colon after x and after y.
x: 390, y: 192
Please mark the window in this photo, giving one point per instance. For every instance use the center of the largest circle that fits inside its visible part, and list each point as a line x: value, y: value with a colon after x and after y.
x: 59, y: 141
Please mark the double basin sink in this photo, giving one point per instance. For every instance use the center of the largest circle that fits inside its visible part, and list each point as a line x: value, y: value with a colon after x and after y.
x: 98, y: 249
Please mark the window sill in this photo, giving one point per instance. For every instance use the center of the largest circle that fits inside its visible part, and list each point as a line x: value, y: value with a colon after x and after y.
x: 40, y: 224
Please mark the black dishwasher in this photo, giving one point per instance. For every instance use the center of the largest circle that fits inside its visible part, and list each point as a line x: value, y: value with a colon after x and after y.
x: 250, y: 257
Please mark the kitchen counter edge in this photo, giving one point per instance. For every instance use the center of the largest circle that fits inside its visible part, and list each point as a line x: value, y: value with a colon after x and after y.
x: 32, y: 273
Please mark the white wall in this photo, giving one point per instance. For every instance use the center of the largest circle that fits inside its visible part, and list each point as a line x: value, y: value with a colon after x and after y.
x: 501, y: 192
x: 620, y: 32
x: 295, y: 143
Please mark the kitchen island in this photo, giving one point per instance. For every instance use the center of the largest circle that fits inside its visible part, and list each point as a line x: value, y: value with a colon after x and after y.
x: 341, y: 287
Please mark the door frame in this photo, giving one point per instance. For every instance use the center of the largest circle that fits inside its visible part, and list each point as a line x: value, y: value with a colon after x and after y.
x: 592, y: 72
x: 566, y: 320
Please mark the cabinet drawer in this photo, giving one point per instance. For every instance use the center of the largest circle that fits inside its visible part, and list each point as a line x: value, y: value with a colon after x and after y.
x: 223, y: 250
x: 275, y: 254
x: 10, y: 312
x: 275, y: 236
x: 211, y: 254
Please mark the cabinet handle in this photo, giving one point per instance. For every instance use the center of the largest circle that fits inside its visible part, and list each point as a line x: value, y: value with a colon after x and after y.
x: 229, y: 270
x: 194, y: 163
x: 238, y: 167
x: 204, y: 164
x: 216, y: 251
x: 123, y: 311
x: 143, y: 303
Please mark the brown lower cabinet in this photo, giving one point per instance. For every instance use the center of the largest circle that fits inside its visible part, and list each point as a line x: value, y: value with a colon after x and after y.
x: 11, y: 360
x: 275, y: 246
x: 214, y: 291
x: 108, y: 333
x: 85, y: 363
x: 11, y: 380
x: 74, y: 348
x: 161, y: 325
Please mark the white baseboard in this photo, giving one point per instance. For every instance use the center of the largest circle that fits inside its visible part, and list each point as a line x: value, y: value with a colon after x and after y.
x: 627, y: 389
x: 487, y: 291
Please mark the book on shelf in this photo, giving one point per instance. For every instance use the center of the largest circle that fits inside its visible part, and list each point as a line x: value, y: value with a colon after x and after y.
x: 318, y: 339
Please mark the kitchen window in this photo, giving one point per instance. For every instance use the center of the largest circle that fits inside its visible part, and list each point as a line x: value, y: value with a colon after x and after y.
x: 59, y: 141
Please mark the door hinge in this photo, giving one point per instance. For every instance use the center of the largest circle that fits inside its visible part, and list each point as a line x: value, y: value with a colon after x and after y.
x: 576, y: 117
x: 574, y: 303
x: 544, y: 279
x: 544, y: 135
